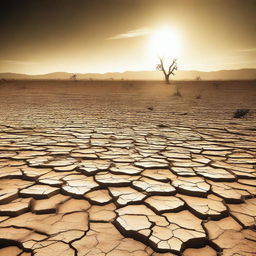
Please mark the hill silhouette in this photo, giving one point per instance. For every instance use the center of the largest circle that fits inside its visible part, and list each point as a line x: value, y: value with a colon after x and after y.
x: 239, y: 74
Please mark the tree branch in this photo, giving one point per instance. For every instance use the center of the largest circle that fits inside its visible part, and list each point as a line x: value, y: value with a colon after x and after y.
x: 172, y: 67
x: 162, y: 65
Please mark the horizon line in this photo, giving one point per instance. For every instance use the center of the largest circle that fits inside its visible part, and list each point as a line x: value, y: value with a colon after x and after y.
x: 121, y: 72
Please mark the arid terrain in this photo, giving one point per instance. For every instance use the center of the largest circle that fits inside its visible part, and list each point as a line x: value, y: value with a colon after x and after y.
x: 127, y: 168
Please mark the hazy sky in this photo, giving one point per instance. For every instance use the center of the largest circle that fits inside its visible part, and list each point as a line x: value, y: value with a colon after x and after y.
x: 41, y: 36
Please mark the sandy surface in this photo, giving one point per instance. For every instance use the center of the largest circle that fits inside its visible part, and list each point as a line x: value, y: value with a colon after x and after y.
x: 127, y: 168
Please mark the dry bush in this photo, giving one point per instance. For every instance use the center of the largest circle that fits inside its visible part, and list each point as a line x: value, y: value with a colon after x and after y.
x: 240, y: 113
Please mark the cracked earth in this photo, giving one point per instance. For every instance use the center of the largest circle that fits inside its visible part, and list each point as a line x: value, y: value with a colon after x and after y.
x: 118, y: 169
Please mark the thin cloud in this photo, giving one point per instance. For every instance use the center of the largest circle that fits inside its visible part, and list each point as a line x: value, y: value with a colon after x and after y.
x: 246, y: 50
x: 17, y: 62
x: 131, y: 33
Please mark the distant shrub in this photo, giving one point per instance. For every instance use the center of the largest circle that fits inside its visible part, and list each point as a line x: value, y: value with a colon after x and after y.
x: 177, y: 94
x: 240, y: 113
x: 73, y: 77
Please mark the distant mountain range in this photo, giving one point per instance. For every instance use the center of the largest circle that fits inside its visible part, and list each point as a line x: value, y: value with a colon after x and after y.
x: 239, y: 74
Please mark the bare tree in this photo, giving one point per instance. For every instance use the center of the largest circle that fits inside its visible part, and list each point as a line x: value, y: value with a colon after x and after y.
x: 73, y: 77
x: 173, y: 66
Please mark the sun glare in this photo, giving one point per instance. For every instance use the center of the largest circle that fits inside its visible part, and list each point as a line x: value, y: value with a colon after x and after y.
x: 165, y: 42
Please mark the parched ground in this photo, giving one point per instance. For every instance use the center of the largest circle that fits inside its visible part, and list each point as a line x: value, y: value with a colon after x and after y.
x: 127, y: 168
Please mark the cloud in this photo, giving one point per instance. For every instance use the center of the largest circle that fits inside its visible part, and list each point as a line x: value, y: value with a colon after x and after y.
x: 18, y: 62
x: 246, y: 50
x: 132, y: 33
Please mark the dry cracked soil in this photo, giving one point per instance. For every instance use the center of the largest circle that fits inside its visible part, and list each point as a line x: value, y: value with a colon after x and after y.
x: 127, y: 168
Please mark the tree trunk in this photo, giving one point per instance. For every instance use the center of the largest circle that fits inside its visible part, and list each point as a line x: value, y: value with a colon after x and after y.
x: 167, y: 81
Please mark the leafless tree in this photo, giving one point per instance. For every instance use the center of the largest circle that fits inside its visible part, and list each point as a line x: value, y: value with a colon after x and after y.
x: 167, y: 72
x: 73, y: 77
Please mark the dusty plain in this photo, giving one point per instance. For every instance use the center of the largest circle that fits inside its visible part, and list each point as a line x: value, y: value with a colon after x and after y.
x: 127, y: 168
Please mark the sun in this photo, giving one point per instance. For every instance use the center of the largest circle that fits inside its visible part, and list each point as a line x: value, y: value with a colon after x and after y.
x: 165, y: 42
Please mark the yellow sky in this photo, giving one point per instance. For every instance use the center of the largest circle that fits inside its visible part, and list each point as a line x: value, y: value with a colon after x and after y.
x: 85, y: 36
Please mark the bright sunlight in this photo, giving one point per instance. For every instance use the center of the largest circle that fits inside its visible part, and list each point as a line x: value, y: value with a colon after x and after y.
x: 165, y: 42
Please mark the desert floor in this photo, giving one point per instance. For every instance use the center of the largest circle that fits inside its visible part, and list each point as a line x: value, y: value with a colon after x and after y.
x: 127, y: 168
